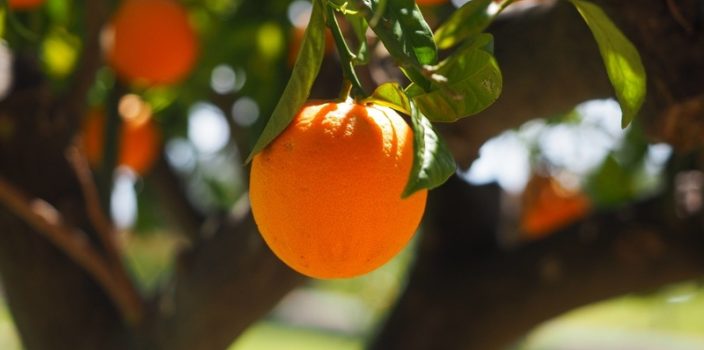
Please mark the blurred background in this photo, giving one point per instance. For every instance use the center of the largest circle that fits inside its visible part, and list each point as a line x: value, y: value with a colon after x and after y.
x: 553, y: 170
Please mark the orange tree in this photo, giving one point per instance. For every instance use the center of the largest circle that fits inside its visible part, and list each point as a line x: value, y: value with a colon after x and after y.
x: 322, y: 186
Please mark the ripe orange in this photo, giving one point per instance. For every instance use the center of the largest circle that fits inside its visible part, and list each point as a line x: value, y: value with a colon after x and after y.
x: 548, y: 206
x: 139, y: 140
x: 151, y: 42
x: 326, y: 194
x: 24, y: 4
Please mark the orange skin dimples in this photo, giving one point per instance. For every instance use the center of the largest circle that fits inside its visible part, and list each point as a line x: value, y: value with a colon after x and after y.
x: 326, y: 194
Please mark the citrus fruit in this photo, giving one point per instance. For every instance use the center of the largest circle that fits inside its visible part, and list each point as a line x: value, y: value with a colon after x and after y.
x: 430, y: 2
x: 24, y: 4
x: 139, y: 142
x: 549, y: 206
x: 326, y: 193
x: 151, y: 42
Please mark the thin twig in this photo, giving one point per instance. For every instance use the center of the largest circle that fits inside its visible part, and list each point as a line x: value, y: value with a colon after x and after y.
x: 48, y: 221
x: 676, y: 13
x: 103, y: 225
x: 96, y: 14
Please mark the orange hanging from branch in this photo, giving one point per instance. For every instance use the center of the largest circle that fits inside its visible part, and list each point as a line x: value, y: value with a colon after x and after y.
x: 549, y: 206
x: 151, y: 42
x: 326, y: 194
x: 140, y: 139
x: 24, y: 4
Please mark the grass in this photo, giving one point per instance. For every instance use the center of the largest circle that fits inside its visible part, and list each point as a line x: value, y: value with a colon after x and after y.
x: 672, y: 318
x: 9, y: 339
x: 275, y: 336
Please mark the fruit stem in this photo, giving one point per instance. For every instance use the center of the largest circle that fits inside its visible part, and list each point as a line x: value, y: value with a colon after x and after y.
x: 351, y: 86
x: 111, y: 145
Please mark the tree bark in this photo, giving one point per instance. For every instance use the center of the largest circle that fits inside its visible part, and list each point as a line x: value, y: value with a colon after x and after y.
x: 466, y: 291
x: 550, y: 63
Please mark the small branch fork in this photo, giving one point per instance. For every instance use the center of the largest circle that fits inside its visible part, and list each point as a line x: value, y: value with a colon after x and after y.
x: 48, y: 221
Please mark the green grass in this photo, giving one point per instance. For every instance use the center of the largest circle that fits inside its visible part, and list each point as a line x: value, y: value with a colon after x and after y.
x: 672, y: 319
x: 9, y: 339
x: 275, y: 336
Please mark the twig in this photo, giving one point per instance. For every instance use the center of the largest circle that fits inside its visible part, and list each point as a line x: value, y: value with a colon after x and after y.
x: 176, y: 204
x: 48, y: 221
x: 676, y: 13
x: 103, y: 225
x: 96, y: 14
x: 100, y: 221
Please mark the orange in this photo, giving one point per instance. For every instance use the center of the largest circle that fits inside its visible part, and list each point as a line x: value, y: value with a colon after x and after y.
x: 24, y: 4
x: 549, y: 206
x: 326, y: 193
x: 430, y: 2
x: 151, y: 42
x: 139, y: 143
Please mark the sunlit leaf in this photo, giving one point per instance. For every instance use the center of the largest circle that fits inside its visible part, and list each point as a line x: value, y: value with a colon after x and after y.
x: 303, y: 75
x: 621, y: 58
x: 406, y: 36
x: 473, y: 83
x: 432, y: 161
x: 359, y: 26
x: 470, y: 19
x: 391, y: 95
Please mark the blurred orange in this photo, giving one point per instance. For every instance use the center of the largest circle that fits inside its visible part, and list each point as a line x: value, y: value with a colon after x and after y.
x: 140, y: 138
x: 549, y: 206
x: 24, y: 4
x: 151, y: 42
x: 430, y: 2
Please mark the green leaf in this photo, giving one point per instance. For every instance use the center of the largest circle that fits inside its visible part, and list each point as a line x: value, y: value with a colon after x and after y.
x: 474, y: 82
x: 621, y: 58
x: 432, y: 161
x: 470, y: 19
x: 405, y: 35
x: 359, y: 28
x: 303, y: 75
x: 612, y: 184
x: 391, y: 95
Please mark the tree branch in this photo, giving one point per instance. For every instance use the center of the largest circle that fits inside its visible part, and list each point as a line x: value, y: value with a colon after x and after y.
x: 466, y: 293
x: 550, y: 63
x: 185, y: 217
x: 48, y: 221
x: 222, y: 285
x: 74, y: 103
x: 103, y: 225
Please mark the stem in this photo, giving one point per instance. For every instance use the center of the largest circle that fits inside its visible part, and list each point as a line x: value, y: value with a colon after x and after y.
x: 346, y: 58
x: 100, y: 221
x: 111, y: 146
x: 17, y: 25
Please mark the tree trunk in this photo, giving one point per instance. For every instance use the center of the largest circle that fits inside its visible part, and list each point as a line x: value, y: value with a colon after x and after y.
x: 465, y: 290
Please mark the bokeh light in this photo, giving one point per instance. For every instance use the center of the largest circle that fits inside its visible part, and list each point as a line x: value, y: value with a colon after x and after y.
x: 245, y: 111
x: 207, y: 128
